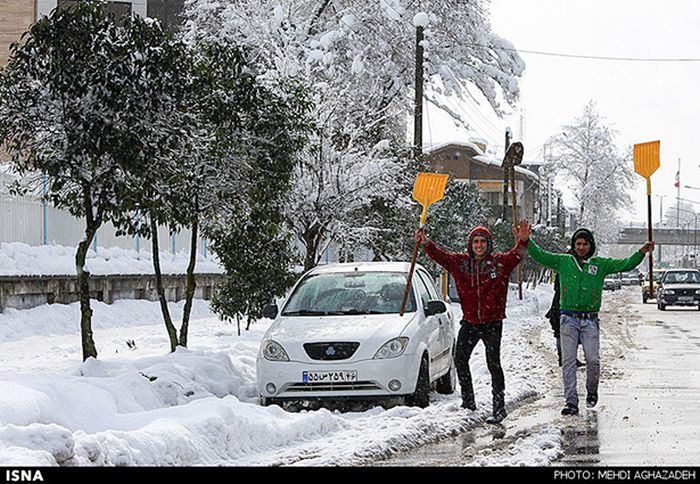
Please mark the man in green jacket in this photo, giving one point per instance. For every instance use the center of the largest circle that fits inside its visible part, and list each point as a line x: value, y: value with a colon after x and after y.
x: 581, y: 276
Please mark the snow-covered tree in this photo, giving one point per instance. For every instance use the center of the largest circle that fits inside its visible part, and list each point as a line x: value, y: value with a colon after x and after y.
x: 598, y: 173
x: 76, y: 100
x: 258, y: 131
x: 169, y: 135
x: 357, y: 57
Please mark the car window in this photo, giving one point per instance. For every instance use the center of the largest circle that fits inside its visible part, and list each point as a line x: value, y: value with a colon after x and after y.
x: 684, y: 277
x: 339, y: 293
x: 432, y: 290
x: 423, y: 291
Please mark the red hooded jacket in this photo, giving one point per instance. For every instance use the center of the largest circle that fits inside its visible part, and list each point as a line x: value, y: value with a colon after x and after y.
x: 482, y: 285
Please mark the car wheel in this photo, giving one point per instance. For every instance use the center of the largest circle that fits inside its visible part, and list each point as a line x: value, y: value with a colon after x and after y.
x: 645, y: 298
x: 420, y: 398
x: 447, y: 383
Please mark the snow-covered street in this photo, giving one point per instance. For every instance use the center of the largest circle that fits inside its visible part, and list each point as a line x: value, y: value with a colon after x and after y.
x: 139, y: 405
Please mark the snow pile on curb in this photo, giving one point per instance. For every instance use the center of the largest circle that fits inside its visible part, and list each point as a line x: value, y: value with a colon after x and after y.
x: 17, y: 259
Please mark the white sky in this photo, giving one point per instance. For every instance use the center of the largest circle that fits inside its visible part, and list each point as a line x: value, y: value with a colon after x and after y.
x: 643, y: 101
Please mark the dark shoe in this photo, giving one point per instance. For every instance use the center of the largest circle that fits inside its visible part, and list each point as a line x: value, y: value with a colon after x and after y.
x: 569, y: 409
x: 591, y: 400
x: 497, y: 417
x: 579, y: 364
x: 468, y: 405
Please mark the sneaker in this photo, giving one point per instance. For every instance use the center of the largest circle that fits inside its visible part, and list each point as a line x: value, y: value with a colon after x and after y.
x: 591, y: 400
x: 569, y: 409
x: 497, y: 417
x: 468, y: 405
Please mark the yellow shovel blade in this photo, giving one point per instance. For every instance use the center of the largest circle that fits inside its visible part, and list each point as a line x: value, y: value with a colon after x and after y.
x: 429, y: 188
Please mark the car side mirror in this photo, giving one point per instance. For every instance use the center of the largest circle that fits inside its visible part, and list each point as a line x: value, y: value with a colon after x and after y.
x: 434, y: 307
x: 270, y: 311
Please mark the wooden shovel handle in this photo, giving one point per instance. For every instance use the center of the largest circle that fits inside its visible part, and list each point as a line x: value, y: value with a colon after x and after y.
x: 410, y: 278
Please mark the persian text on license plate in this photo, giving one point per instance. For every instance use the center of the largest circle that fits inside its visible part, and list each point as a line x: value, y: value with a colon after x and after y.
x: 686, y: 298
x: 329, y: 376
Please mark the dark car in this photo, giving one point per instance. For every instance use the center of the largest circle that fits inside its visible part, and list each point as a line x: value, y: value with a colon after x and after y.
x: 679, y: 287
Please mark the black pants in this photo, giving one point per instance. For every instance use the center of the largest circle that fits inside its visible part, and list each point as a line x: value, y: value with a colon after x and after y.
x: 469, y: 336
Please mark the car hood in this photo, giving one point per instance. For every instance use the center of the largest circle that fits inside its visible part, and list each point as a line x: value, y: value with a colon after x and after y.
x: 371, y: 331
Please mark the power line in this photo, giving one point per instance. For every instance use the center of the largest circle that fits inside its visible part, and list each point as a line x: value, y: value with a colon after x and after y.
x: 591, y: 57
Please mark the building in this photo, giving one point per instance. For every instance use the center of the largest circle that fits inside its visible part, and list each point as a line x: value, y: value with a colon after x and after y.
x: 468, y: 162
x: 16, y: 16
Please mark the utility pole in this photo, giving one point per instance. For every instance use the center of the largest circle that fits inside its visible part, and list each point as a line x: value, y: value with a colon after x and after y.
x: 418, y: 101
x: 504, y: 214
x: 678, y: 197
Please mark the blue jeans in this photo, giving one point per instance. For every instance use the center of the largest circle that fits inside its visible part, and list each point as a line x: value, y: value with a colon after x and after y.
x: 586, y: 331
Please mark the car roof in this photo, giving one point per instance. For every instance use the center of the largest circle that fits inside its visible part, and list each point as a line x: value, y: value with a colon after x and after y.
x: 682, y: 270
x: 363, y: 267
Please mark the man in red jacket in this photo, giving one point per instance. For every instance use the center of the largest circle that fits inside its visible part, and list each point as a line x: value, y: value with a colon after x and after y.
x: 482, y: 284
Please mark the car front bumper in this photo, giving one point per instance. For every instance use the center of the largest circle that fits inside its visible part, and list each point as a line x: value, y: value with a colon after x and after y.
x: 673, y: 300
x: 373, y: 377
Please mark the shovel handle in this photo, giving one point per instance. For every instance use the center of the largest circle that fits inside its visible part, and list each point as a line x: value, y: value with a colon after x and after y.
x: 410, y: 278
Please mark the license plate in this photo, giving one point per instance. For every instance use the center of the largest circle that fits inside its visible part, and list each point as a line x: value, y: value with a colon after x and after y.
x: 685, y: 298
x: 329, y: 376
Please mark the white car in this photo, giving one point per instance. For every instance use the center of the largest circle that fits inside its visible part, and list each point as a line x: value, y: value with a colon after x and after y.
x: 339, y: 335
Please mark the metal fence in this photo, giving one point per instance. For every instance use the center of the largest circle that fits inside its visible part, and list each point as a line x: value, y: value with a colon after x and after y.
x: 33, y: 222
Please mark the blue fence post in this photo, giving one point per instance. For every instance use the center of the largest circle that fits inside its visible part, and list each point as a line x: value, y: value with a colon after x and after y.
x: 44, y: 237
x: 172, y: 239
x: 138, y: 239
x: 205, y: 248
x: 94, y: 242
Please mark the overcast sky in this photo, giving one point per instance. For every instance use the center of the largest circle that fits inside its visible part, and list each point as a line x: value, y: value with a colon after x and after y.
x: 643, y: 101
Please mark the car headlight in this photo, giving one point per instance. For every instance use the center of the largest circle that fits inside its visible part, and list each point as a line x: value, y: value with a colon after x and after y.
x: 669, y: 291
x: 273, y: 351
x: 392, y: 348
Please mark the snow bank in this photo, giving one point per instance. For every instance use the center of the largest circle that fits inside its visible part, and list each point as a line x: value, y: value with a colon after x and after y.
x: 17, y: 258
x: 138, y: 404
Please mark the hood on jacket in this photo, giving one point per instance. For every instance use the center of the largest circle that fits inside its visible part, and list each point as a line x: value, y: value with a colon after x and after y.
x: 583, y: 234
x: 480, y: 232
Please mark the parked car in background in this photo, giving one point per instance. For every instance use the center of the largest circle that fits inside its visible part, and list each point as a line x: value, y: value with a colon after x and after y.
x: 646, y: 293
x: 631, y: 278
x: 679, y: 287
x: 339, y: 335
x: 609, y: 283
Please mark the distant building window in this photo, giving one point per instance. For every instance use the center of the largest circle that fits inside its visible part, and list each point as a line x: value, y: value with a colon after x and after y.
x: 168, y: 12
x: 118, y: 9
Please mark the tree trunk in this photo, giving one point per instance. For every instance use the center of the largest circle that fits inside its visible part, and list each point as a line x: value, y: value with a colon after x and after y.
x: 88, y: 343
x: 170, y: 328
x: 191, y: 284
x: 311, y: 240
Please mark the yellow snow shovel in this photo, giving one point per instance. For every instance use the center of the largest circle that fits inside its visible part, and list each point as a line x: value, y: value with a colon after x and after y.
x: 428, y: 189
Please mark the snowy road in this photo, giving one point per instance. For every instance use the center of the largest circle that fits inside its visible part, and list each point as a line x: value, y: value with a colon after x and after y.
x: 649, y: 410
x: 138, y: 404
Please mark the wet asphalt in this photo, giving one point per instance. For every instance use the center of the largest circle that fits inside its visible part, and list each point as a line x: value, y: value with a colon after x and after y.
x: 649, y: 408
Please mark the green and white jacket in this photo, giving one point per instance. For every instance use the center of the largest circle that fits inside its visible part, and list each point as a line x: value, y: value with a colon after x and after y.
x: 582, y: 284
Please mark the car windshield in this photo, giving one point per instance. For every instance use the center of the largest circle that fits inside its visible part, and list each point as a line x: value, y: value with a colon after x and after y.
x: 684, y: 277
x: 338, y: 293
